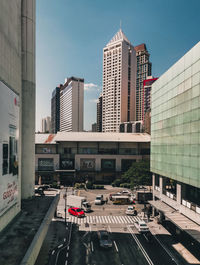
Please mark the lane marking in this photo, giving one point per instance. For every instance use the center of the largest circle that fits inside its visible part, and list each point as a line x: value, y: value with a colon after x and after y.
x: 52, y: 252
x: 140, y: 246
x: 67, y: 254
x: 60, y: 246
x: 66, y: 262
x: 116, y: 246
x: 92, y: 247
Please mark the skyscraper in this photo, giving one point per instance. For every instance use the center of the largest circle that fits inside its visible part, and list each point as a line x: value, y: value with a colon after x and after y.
x: 119, y: 81
x: 46, y: 125
x: 143, y: 70
x: 99, y: 114
x: 55, y: 110
x: 72, y: 105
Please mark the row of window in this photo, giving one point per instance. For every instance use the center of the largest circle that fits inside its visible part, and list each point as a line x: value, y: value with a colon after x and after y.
x: 86, y: 164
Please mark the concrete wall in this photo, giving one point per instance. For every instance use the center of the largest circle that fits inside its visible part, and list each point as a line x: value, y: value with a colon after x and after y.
x: 28, y: 98
x: 34, y: 249
x: 17, y: 71
x: 10, y: 71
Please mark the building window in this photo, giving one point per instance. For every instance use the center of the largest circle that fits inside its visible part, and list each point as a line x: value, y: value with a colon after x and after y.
x: 108, y: 164
x: 67, y: 150
x: 45, y: 164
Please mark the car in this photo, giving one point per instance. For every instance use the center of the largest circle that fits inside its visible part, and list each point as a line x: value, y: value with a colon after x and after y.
x: 141, y: 226
x: 98, y: 200
x: 131, y: 210
x: 104, y: 239
x: 76, y: 212
x: 126, y: 192
x: 39, y: 191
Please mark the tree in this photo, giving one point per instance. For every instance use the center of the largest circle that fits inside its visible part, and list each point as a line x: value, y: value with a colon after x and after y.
x: 138, y: 174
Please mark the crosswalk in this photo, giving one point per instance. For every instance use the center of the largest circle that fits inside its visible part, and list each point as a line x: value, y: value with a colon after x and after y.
x: 95, y: 219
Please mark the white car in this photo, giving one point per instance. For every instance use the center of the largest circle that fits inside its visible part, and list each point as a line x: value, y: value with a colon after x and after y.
x: 98, y: 200
x: 141, y: 226
x: 130, y: 210
x: 126, y: 192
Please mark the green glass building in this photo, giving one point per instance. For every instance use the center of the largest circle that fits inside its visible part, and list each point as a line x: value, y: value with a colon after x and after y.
x: 175, y: 135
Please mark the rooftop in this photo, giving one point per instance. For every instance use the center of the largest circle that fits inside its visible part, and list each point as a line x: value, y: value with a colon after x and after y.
x: 141, y: 47
x: 91, y: 137
x: 119, y: 36
x: 44, y: 138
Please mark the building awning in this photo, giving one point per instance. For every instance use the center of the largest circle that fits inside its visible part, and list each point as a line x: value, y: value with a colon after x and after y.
x: 65, y: 170
x: 180, y: 220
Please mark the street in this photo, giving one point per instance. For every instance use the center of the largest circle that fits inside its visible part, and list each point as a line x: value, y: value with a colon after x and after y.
x: 81, y: 246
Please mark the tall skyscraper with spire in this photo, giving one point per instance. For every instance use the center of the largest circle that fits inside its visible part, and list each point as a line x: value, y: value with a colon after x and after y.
x: 119, y: 83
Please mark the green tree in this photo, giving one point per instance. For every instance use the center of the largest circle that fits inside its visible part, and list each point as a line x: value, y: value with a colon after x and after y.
x: 138, y: 174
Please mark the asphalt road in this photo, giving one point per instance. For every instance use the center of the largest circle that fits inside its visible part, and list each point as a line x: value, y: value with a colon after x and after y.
x: 129, y: 247
x: 126, y: 250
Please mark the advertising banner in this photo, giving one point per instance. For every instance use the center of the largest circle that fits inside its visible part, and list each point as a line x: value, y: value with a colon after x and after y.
x: 67, y: 163
x: 87, y: 164
x: 9, y: 138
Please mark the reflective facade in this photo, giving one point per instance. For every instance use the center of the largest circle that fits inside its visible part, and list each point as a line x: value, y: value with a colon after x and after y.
x: 175, y: 142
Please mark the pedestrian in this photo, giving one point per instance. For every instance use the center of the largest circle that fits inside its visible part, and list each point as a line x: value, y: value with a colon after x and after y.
x: 106, y: 200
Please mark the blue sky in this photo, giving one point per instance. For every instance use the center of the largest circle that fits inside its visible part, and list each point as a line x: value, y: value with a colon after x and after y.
x: 71, y: 34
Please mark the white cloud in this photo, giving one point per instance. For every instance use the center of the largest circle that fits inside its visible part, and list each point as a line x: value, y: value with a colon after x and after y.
x: 94, y: 100
x: 90, y: 86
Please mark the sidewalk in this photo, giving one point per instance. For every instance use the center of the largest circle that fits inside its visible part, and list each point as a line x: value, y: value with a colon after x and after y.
x: 176, y: 249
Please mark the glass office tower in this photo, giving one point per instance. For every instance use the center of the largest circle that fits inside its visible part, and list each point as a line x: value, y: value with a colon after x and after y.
x: 175, y: 132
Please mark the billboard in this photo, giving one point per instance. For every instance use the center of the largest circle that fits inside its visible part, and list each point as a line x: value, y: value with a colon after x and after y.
x: 87, y: 164
x: 67, y: 163
x: 9, y: 138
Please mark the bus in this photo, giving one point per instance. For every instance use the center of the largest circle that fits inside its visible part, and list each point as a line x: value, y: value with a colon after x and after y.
x: 121, y: 200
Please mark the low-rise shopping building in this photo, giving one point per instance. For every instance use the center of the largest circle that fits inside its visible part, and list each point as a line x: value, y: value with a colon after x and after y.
x: 68, y: 157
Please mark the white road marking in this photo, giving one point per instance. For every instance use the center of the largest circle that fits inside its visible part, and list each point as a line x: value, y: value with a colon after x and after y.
x: 121, y: 220
x: 67, y: 254
x: 92, y: 247
x: 116, y: 246
x: 60, y: 246
x: 117, y: 217
x: 126, y: 218
x: 140, y: 246
x: 106, y: 219
x: 66, y: 262
x: 110, y: 219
